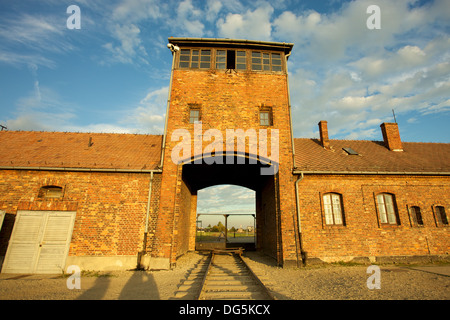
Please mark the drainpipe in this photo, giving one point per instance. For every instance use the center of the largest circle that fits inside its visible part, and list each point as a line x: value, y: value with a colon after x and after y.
x: 297, y: 197
x: 174, y: 49
x: 290, y: 111
x: 147, y: 216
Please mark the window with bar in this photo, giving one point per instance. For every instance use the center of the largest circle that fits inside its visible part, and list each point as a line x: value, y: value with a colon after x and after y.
x: 386, y: 208
x: 416, y: 215
x: 441, y: 217
x: 332, y: 206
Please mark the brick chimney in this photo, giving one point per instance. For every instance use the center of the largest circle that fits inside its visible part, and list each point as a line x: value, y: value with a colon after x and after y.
x: 391, y: 136
x: 323, y: 129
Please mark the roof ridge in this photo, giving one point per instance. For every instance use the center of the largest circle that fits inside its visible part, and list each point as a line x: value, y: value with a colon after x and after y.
x: 73, y: 132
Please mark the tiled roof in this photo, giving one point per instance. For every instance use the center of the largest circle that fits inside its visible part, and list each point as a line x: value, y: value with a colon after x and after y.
x: 79, y: 150
x: 372, y: 157
x: 143, y: 152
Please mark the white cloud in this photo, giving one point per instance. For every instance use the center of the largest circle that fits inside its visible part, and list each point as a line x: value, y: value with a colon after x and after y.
x: 250, y: 25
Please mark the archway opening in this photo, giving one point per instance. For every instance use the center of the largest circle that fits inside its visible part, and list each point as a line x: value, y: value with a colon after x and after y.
x: 198, y: 176
x: 226, y: 217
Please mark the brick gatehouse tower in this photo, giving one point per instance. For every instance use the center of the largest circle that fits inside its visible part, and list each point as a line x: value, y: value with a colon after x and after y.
x: 228, y: 122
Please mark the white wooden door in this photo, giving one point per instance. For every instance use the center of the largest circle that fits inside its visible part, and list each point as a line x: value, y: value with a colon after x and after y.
x: 54, y: 246
x: 39, y: 242
x: 2, y: 216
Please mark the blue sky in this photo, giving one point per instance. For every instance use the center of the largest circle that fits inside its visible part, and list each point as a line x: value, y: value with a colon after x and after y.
x: 112, y: 75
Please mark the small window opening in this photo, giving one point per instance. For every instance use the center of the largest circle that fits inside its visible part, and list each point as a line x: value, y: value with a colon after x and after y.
x: 50, y: 192
x: 264, y: 118
x: 441, y: 216
x: 194, y: 115
x: 231, y: 59
x: 416, y: 215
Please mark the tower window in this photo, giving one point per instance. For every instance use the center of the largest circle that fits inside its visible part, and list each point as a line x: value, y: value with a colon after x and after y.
x: 221, y: 59
x: 265, y: 117
x: 241, y: 60
x: 194, y: 58
x: 262, y: 61
x: 230, y: 59
x: 194, y: 115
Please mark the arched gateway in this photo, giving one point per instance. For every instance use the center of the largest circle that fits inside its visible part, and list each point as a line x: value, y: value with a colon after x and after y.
x: 228, y: 122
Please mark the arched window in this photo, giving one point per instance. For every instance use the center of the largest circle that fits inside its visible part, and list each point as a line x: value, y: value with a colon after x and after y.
x: 416, y: 216
x: 50, y: 192
x: 387, y: 208
x: 440, y: 215
x: 332, y: 206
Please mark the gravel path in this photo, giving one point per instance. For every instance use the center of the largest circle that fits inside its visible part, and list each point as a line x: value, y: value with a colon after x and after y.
x: 331, y: 282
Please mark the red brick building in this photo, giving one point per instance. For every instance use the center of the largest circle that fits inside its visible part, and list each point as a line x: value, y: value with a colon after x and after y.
x: 117, y: 201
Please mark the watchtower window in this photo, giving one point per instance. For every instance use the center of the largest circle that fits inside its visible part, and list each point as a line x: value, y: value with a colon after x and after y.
x: 194, y: 115
x: 241, y: 63
x: 265, y: 117
x: 230, y: 59
x: 194, y: 58
x: 262, y: 61
x: 221, y: 59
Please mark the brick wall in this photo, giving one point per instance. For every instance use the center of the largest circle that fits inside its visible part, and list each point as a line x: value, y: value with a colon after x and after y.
x: 110, y: 207
x: 363, y: 235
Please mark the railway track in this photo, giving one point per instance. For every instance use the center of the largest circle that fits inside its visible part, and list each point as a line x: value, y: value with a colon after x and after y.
x: 228, y: 277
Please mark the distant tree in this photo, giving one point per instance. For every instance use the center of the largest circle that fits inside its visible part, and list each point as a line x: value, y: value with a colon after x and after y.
x: 233, y: 229
x: 221, y: 227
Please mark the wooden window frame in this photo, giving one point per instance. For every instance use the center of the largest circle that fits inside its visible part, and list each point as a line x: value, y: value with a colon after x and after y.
x: 383, y: 207
x: 195, y: 59
x: 266, y: 61
x: 268, y: 111
x: 196, y: 108
x: 332, y: 206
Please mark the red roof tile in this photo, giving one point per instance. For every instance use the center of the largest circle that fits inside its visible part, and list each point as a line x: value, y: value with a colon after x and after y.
x: 372, y: 156
x: 79, y: 150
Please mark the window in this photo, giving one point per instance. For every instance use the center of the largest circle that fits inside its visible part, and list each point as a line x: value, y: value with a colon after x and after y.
x: 333, y: 209
x: 50, y: 192
x: 221, y: 59
x: 241, y: 60
x: 205, y: 59
x: 440, y: 215
x: 194, y: 115
x: 416, y: 215
x: 195, y: 58
x: 262, y: 61
x: 230, y: 59
x: 386, y: 208
x: 264, y: 118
